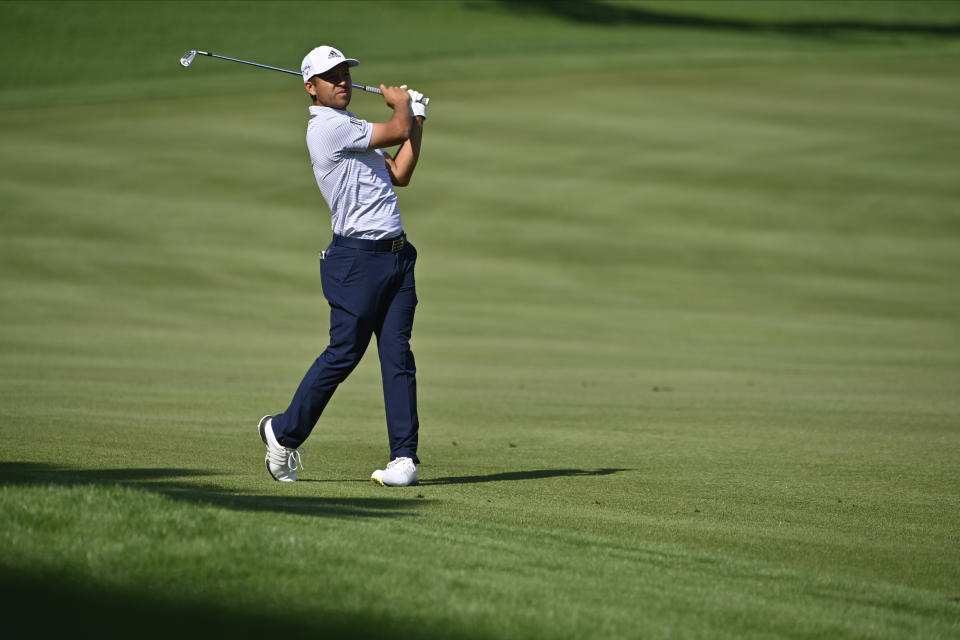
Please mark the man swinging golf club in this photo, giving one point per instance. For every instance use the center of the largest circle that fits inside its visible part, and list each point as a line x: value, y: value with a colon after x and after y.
x: 366, y: 272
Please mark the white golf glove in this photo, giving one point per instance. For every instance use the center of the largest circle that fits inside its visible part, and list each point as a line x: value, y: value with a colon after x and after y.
x: 419, y: 109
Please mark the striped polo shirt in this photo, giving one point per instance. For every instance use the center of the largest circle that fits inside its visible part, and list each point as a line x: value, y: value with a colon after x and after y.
x: 352, y: 178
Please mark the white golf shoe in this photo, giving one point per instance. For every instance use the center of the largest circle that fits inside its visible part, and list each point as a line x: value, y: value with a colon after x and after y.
x: 282, y: 462
x: 401, y: 472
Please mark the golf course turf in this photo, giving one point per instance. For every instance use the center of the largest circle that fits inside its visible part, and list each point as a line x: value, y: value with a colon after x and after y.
x: 688, y: 338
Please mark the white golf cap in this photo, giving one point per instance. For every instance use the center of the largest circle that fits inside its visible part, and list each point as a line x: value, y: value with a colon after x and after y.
x: 321, y: 60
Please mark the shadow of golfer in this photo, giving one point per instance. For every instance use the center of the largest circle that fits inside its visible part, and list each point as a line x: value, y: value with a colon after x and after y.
x: 510, y: 476
x: 182, y: 485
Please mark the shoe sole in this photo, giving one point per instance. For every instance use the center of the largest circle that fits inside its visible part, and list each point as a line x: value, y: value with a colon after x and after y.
x: 263, y: 436
x: 260, y: 427
x: 380, y: 482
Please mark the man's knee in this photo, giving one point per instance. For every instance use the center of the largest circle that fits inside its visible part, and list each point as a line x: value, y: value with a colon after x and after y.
x: 399, y: 360
x: 340, y: 360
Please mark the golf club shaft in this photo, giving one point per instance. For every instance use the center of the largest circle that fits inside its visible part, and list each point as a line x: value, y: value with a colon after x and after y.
x: 252, y: 64
x: 363, y: 87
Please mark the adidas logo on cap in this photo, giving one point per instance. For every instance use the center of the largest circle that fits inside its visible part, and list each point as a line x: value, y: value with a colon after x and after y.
x: 334, y: 54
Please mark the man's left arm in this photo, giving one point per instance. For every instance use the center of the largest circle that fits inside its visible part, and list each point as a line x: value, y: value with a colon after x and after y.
x: 401, y: 166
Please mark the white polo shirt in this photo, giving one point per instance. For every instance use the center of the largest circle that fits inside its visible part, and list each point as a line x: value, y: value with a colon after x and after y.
x: 352, y: 178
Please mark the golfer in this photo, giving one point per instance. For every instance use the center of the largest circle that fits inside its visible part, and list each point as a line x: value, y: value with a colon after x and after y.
x: 366, y: 272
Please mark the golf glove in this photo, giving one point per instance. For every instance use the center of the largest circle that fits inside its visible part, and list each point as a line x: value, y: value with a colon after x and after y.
x: 419, y: 109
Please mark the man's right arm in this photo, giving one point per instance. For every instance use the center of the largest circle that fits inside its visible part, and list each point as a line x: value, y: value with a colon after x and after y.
x: 397, y: 128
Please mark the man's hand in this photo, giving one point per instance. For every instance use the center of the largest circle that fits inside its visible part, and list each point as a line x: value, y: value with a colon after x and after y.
x: 397, y: 129
x: 395, y: 96
x: 419, y: 109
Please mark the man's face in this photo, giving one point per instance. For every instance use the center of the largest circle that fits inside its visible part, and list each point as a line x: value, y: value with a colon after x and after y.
x: 332, y: 88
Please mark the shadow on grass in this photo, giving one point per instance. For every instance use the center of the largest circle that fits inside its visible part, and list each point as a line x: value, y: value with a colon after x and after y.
x: 169, y: 482
x: 509, y: 476
x: 57, y: 605
x: 592, y: 12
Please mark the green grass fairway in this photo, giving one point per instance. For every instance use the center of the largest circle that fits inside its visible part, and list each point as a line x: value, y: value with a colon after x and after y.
x: 688, y: 339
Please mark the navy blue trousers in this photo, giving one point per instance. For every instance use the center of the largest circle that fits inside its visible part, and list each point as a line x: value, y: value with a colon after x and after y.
x: 370, y: 293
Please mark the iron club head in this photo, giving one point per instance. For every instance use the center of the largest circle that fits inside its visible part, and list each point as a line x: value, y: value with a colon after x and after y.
x: 188, y: 57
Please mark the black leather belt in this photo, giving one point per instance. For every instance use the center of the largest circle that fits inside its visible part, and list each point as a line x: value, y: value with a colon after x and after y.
x: 391, y: 245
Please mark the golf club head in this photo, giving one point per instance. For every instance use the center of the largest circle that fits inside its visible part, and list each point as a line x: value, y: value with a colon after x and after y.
x: 188, y: 57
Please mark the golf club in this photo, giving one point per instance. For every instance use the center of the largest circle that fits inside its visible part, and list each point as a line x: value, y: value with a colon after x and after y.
x: 188, y: 57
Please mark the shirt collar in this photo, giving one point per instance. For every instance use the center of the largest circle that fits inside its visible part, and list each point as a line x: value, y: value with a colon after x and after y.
x: 316, y: 110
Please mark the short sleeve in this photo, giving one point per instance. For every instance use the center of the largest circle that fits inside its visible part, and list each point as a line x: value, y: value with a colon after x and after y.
x: 333, y: 133
x: 349, y: 134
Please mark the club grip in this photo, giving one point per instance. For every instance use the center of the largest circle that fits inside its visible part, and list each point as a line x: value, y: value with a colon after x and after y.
x: 425, y: 101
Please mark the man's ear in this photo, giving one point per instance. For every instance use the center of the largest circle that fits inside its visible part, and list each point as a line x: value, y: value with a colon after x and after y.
x: 310, y: 88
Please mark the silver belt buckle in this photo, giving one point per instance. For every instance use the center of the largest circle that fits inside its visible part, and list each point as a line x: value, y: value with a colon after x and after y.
x: 397, y: 244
